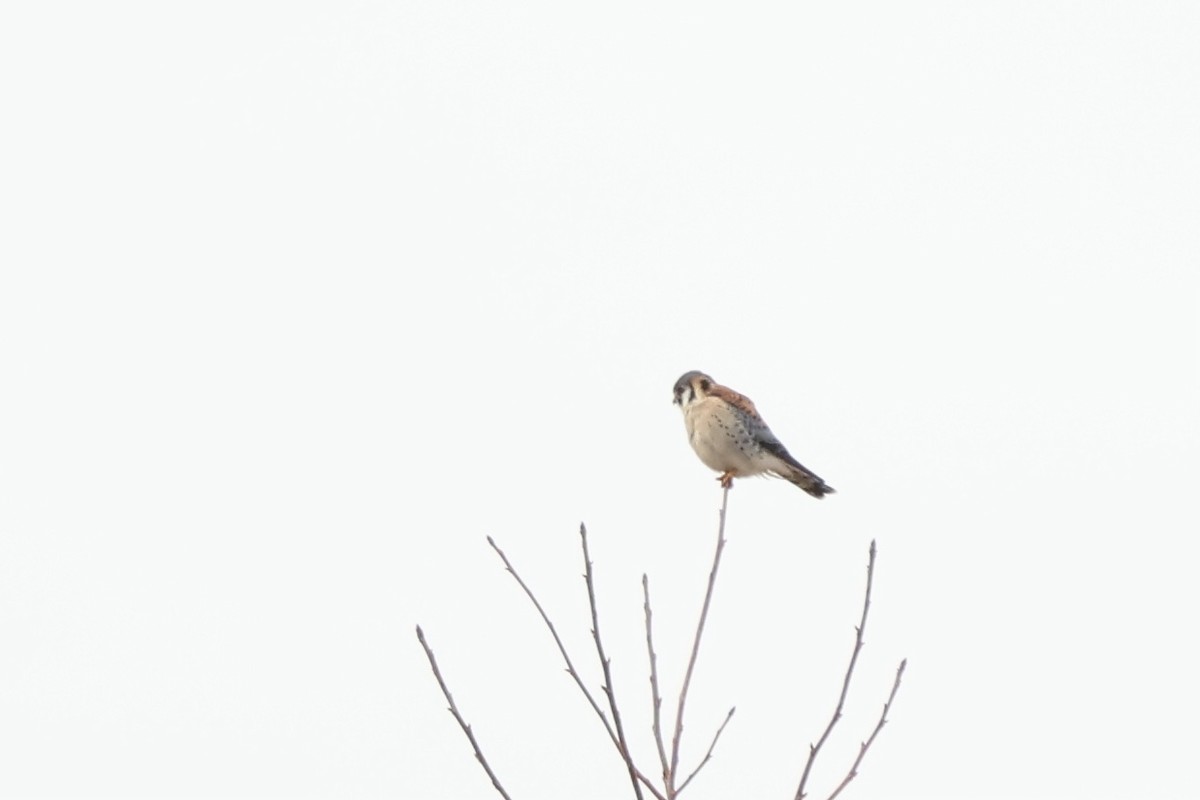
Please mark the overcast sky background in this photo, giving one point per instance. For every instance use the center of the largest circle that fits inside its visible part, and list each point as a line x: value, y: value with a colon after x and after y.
x: 299, y: 302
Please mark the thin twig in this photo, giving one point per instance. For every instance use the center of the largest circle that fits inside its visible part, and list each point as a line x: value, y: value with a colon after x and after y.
x: 837, y: 712
x: 707, y: 755
x: 553, y: 632
x: 687, y: 679
x: 655, y: 696
x: 604, y: 665
x: 462, y: 723
x: 862, y: 750
x: 571, y: 666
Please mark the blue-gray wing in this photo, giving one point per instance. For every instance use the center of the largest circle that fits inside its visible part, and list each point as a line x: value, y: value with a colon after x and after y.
x: 796, y: 472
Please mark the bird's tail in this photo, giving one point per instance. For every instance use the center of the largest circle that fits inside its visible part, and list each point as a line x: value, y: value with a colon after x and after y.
x: 809, y: 482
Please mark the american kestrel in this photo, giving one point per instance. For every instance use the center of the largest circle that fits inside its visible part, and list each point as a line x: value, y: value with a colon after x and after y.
x: 725, y: 430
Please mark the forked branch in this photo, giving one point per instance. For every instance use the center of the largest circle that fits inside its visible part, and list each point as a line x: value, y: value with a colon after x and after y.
x: 656, y: 698
x: 669, y: 758
x: 859, y: 630
x: 612, y: 734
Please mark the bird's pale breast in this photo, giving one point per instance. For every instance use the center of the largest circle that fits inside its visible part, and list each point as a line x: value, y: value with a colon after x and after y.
x: 722, y: 436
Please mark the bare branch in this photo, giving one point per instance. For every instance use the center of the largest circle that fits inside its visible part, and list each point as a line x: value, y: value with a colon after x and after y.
x: 707, y: 755
x: 687, y: 679
x: 862, y: 750
x: 655, y: 696
x: 837, y: 712
x: 604, y: 665
x: 554, y: 632
x: 571, y: 666
x: 462, y: 723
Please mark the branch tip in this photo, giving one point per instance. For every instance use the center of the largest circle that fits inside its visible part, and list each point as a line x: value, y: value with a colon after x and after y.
x: 462, y: 723
x: 605, y: 666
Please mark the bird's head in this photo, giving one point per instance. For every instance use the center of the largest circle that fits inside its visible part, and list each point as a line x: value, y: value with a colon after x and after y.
x: 690, y: 387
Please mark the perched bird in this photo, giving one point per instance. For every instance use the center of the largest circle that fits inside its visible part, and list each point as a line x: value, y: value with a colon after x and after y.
x: 725, y: 430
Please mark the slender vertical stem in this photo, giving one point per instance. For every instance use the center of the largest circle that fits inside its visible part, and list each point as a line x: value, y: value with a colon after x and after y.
x: 687, y: 678
x: 604, y: 665
x: 655, y: 695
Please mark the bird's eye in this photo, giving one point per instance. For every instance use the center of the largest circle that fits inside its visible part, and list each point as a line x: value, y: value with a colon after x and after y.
x: 704, y: 386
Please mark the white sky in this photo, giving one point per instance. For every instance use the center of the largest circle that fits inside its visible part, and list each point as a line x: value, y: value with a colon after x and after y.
x: 300, y: 301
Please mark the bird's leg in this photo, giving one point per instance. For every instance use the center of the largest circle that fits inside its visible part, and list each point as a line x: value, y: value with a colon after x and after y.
x: 726, y: 479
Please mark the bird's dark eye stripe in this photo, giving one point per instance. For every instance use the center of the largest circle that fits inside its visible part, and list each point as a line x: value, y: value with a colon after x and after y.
x: 704, y: 385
